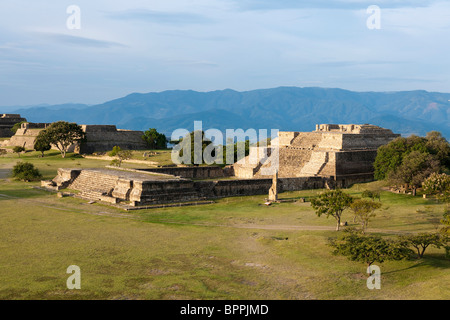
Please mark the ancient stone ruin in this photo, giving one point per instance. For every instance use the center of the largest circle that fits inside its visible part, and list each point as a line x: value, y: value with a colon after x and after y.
x: 26, y: 135
x: 339, y: 151
x: 99, y: 138
x: 139, y: 188
x: 332, y: 156
x: 7, y: 121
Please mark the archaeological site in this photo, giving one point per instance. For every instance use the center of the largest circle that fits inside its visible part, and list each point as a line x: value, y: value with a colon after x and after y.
x: 331, y: 156
x: 99, y: 138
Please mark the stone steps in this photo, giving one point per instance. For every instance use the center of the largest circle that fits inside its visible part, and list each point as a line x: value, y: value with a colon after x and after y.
x: 91, y: 181
x: 316, y: 164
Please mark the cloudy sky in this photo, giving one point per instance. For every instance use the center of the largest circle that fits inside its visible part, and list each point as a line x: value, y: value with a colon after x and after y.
x: 143, y: 46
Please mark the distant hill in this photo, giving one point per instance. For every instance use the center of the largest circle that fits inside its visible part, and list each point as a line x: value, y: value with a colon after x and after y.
x: 283, y: 108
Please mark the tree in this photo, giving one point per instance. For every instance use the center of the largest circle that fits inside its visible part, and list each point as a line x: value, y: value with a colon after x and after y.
x: 17, y: 126
x: 25, y: 171
x: 154, y: 139
x: 446, y: 222
x: 364, y: 210
x: 437, y: 184
x: 18, y: 150
x: 239, y: 145
x: 120, y: 154
x: 439, y: 146
x: 3, y: 152
x: 332, y: 203
x: 368, y: 249
x: 196, y: 143
x: 422, y: 241
x: 42, y: 142
x: 391, y: 156
x: 415, y: 168
x: 371, y: 194
x: 63, y: 134
x: 115, y: 150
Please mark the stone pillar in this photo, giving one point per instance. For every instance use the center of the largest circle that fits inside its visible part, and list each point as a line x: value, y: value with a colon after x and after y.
x: 273, y: 191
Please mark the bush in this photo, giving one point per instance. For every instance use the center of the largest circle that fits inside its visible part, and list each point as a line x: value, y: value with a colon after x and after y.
x: 26, y: 171
x: 115, y: 150
x: 18, y: 150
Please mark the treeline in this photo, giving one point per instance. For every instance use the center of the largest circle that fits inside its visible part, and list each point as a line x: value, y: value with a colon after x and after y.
x: 410, y: 161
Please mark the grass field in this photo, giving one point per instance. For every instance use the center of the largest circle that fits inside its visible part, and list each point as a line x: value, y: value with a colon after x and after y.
x: 236, y: 248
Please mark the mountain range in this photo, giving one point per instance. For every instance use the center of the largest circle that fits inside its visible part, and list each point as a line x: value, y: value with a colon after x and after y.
x: 283, y: 108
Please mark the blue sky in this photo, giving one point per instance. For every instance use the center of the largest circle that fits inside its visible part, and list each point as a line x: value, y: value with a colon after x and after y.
x: 144, y: 46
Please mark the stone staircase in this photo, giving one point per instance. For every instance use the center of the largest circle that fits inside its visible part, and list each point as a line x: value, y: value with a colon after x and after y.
x: 315, y: 165
x: 93, y: 185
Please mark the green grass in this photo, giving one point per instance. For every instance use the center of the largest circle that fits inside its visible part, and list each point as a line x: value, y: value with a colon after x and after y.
x: 236, y: 248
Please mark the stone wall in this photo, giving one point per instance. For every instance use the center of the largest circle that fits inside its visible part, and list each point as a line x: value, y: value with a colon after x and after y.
x: 102, y: 138
x: 7, y: 121
x: 99, y: 138
x: 192, y: 172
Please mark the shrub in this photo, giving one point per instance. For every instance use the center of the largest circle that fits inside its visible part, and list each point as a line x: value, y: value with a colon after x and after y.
x: 26, y: 171
x: 115, y: 150
x: 18, y: 150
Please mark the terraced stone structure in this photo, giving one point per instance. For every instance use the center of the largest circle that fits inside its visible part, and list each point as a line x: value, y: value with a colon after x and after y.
x: 99, y: 138
x: 26, y: 135
x: 332, y: 156
x: 136, y: 188
x: 345, y: 152
x: 131, y: 187
x: 7, y: 121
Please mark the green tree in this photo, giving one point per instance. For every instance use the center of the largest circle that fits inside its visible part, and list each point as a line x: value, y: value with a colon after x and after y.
x: 42, y: 143
x: 391, y: 156
x: 196, y: 143
x: 371, y: 194
x: 154, y: 139
x: 63, y: 134
x: 446, y: 222
x: 17, y: 126
x: 423, y: 240
x: 18, y: 150
x: 438, y: 184
x: 368, y: 249
x: 439, y: 146
x: 115, y: 150
x: 364, y: 210
x: 120, y: 154
x: 25, y: 171
x: 332, y: 203
x: 415, y: 168
x: 3, y: 152
x: 237, y: 155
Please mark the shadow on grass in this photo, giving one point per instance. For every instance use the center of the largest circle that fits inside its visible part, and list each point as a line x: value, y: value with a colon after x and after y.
x: 26, y: 193
x: 434, y: 260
